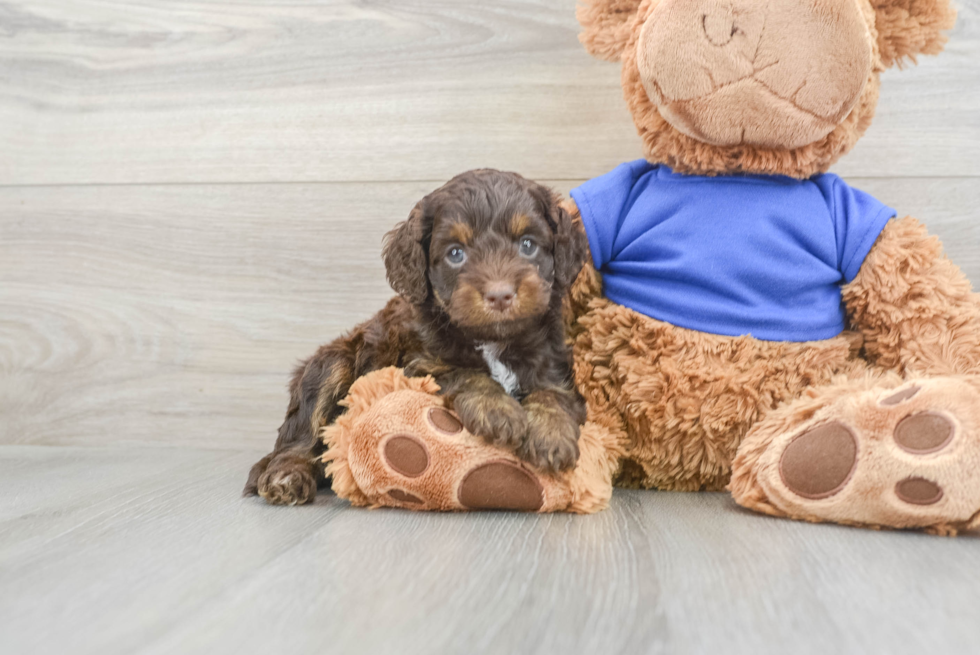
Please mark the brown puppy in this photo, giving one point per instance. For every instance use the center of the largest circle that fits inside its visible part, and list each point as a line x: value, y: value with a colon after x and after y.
x: 481, y: 265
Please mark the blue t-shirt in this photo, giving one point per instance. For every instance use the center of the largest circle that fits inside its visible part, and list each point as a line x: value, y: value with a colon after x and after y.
x: 732, y: 255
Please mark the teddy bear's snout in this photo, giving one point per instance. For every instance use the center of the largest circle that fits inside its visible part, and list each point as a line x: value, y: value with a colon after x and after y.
x: 779, y: 74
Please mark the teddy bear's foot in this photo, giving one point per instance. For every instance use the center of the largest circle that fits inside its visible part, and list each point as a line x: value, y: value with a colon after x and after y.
x: 905, y: 457
x: 398, y: 446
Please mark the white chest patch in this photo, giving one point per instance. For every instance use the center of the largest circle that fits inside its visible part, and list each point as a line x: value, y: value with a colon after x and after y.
x: 499, y: 371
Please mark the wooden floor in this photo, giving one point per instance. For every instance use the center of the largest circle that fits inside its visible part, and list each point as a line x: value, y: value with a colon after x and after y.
x: 192, y: 197
x: 151, y: 550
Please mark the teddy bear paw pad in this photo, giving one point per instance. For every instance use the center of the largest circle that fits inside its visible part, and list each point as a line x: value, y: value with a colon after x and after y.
x: 819, y: 462
x: 406, y: 455
x: 896, y: 398
x: 898, y: 458
x: 501, y: 485
x: 921, y: 434
x: 444, y: 421
x: 919, y: 491
x: 405, y: 497
x: 408, y: 450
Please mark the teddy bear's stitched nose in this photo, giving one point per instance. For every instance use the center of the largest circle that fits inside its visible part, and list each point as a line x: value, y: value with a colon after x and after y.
x: 719, y: 26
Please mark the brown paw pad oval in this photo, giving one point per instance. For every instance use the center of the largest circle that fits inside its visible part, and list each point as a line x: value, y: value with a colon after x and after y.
x: 501, y: 485
x: 406, y: 455
x: 444, y: 421
x: 819, y: 463
x: 405, y: 497
x: 924, y: 433
x: 919, y: 491
x: 899, y: 397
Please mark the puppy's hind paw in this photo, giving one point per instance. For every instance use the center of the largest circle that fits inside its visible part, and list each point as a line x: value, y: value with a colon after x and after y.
x: 288, y: 482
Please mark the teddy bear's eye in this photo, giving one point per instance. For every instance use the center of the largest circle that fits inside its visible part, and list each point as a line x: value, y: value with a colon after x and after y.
x: 528, y: 248
x: 456, y: 256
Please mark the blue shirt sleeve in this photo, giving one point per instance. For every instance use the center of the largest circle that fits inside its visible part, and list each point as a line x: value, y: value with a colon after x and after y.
x: 602, y: 203
x: 858, y: 220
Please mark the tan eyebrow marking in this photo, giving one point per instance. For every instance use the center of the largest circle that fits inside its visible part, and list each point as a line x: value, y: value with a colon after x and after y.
x: 461, y: 232
x: 519, y: 224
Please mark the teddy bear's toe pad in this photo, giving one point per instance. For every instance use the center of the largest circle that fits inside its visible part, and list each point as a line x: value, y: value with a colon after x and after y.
x: 898, y: 458
x: 918, y: 491
x: 819, y: 462
x: 501, y: 485
x: 445, y: 421
x: 901, y: 396
x: 405, y: 497
x: 406, y: 455
x: 924, y: 433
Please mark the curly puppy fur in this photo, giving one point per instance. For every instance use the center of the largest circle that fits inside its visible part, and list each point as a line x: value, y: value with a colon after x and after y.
x: 481, y: 267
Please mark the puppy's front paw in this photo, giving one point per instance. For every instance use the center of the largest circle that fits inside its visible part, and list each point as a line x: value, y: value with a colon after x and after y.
x: 288, y: 481
x: 497, y: 418
x: 552, y: 439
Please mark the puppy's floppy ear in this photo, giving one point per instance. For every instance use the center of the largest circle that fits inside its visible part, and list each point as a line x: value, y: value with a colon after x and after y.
x: 405, y: 256
x: 571, y: 243
x: 907, y: 28
x: 606, y: 26
x: 571, y: 247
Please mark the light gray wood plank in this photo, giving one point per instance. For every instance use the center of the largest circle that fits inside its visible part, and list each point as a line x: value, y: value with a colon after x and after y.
x: 103, y: 91
x: 191, y: 303
x: 138, y: 91
x: 101, y: 549
x: 657, y: 573
x: 93, y: 562
x: 173, y: 314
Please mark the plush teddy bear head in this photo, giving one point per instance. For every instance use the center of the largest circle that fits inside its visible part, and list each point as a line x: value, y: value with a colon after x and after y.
x: 757, y: 86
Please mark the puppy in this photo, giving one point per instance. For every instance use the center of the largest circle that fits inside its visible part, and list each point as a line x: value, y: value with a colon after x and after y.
x: 481, y: 267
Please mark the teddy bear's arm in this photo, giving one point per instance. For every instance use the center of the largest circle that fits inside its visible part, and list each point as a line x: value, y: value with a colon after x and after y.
x: 914, y: 307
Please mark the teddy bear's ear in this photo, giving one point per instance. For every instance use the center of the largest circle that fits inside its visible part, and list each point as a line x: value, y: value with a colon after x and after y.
x: 606, y: 26
x: 907, y: 28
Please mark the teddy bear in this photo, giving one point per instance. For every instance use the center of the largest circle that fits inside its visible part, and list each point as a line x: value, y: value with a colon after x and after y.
x: 748, y: 321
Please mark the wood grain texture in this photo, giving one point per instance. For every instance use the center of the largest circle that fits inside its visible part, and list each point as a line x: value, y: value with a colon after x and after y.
x: 112, y: 91
x: 173, y: 314
x: 142, y: 550
x: 102, y: 549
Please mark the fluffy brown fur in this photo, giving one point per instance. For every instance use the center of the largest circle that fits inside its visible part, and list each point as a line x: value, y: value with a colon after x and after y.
x: 686, y: 398
x: 908, y: 28
x: 914, y: 307
x: 684, y: 401
x: 607, y: 26
x: 517, y: 255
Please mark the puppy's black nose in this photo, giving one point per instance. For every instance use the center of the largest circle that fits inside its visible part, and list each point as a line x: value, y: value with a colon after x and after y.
x: 499, y: 295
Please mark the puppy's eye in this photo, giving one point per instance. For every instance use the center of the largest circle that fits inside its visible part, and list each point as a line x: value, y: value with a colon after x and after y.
x: 456, y: 256
x: 528, y: 248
